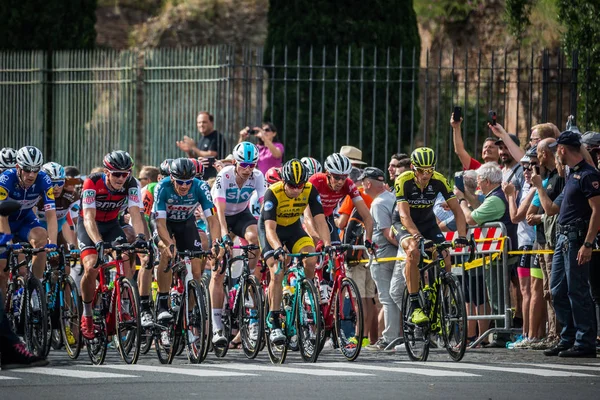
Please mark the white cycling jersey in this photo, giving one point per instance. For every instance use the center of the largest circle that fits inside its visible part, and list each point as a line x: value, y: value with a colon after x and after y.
x: 227, y: 190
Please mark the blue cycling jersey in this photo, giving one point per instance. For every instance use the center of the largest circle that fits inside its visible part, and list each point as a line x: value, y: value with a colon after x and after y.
x: 168, y: 204
x: 10, y: 188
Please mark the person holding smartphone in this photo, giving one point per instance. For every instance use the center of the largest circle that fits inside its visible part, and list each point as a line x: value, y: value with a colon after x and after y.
x: 270, y: 150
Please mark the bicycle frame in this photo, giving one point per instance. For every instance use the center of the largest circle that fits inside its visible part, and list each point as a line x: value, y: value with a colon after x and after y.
x: 109, y: 308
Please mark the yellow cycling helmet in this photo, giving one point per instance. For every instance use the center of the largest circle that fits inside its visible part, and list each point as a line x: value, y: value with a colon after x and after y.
x: 423, y: 157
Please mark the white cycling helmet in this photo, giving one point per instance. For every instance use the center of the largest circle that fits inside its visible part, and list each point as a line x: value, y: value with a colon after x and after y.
x: 312, y: 165
x: 55, y: 171
x: 8, y: 158
x: 245, y: 152
x: 338, y: 164
x: 29, y: 157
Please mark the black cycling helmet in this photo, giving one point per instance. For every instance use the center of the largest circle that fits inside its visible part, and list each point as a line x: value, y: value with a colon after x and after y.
x: 118, y: 160
x: 165, y: 167
x: 294, y: 172
x: 183, y: 168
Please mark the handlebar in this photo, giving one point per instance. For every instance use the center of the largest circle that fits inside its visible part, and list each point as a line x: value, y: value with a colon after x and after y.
x: 122, y: 248
x: 439, y: 247
x: 187, y: 253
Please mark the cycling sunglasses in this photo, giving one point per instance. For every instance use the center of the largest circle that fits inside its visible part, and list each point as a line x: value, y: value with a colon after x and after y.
x: 184, y: 183
x: 30, y: 169
x: 120, y: 174
x: 58, y: 184
x: 425, y: 170
x: 338, y: 177
x: 300, y: 186
x: 247, y: 165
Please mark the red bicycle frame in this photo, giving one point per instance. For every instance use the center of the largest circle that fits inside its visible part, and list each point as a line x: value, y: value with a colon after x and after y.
x: 338, y: 273
x: 114, y: 293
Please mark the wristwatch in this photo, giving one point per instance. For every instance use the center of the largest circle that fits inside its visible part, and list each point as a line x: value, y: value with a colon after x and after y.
x: 587, y: 245
x: 461, y: 200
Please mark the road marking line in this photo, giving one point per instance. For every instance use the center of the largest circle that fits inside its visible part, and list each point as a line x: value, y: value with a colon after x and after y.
x: 566, y: 366
x: 528, y: 371
x: 174, y: 370
x: 289, y: 370
x: 73, y: 373
x: 411, y: 370
x: 8, y: 377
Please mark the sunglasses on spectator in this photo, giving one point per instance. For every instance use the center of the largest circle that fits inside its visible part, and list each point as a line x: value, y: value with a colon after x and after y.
x: 338, y: 177
x: 267, y: 130
x: 300, y: 186
x: 143, y: 178
x: 425, y: 170
x: 247, y: 165
x: 184, y: 183
x: 120, y: 174
x: 30, y: 170
x: 58, y: 184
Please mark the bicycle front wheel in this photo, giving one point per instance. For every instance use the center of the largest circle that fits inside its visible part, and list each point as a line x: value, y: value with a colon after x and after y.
x: 277, y: 352
x: 308, y: 321
x: 416, y: 338
x: 36, y: 320
x: 70, y: 318
x: 196, y: 323
x: 453, y: 314
x: 97, y: 347
x: 349, y: 319
x: 128, y: 325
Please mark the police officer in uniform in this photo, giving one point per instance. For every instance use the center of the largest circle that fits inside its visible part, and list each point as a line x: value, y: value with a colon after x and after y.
x: 578, y: 224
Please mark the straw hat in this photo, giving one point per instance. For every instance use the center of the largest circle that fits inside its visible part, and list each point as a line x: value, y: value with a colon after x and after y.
x: 354, y: 154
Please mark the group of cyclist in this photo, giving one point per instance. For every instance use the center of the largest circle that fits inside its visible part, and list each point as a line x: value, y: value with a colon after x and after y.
x: 297, y: 206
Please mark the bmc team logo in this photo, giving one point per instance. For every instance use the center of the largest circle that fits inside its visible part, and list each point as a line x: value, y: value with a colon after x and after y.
x: 268, y: 205
x: 50, y: 193
x: 3, y: 193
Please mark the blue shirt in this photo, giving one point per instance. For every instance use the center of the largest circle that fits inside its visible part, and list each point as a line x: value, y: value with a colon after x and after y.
x: 10, y: 188
x: 582, y: 184
x: 168, y: 204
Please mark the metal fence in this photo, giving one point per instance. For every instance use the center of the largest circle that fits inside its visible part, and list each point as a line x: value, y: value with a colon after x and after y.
x: 77, y: 105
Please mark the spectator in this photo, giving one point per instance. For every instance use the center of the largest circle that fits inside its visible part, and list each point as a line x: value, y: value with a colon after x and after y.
x: 489, y: 152
x: 509, y: 150
x: 211, y: 144
x: 591, y: 141
x: 148, y: 175
x: 354, y: 155
x: 270, y: 151
x: 578, y: 224
x: 543, y: 131
x: 399, y: 163
x: 382, y: 208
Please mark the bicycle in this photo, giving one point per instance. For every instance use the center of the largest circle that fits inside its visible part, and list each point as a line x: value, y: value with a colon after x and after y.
x: 189, y: 313
x: 243, y: 312
x: 300, y: 302
x: 442, y: 301
x: 116, y: 306
x: 25, y: 306
x: 342, y: 311
x: 63, y: 305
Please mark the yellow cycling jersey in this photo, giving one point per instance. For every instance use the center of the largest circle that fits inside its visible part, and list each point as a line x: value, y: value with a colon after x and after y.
x: 277, y: 206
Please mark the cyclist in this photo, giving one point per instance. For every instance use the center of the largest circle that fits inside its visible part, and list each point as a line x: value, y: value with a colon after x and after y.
x: 177, y: 197
x: 279, y: 225
x: 416, y: 192
x: 272, y: 176
x: 232, y: 191
x: 103, y: 196
x: 312, y: 165
x: 334, y: 185
x: 27, y: 184
x: 8, y: 158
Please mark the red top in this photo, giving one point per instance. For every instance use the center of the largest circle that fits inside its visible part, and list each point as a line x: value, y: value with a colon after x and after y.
x: 474, y: 164
x: 329, y: 198
x: 95, y: 194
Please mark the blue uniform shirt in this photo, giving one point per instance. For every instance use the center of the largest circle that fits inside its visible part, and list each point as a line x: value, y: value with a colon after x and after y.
x: 582, y: 184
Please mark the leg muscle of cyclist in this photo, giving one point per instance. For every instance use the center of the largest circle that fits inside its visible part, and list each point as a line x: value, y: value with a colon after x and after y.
x: 38, y: 237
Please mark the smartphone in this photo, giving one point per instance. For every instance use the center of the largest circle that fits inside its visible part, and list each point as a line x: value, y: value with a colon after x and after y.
x: 537, y: 169
x: 211, y: 161
x: 459, y: 181
x: 492, y: 117
x: 457, y: 114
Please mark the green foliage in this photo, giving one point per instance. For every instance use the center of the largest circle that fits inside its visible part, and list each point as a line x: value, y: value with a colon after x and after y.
x: 354, y: 25
x: 446, y: 11
x: 582, y: 35
x: 47, y: 24
x: 517, y: 16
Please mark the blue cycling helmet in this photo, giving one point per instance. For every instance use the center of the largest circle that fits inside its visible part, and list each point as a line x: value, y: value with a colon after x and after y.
x: 245, y: 152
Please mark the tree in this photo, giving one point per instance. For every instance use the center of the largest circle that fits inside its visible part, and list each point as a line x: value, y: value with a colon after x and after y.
x: 47, y: 24
x: 351, y: 32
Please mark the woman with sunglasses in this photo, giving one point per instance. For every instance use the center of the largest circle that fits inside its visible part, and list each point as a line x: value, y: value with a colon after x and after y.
x: 231, y: 192
x: 270, y: 151
x: 27, y: 184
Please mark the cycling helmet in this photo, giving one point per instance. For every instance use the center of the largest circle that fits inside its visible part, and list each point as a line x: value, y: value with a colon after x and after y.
x: 294, y: 172
x: 423, y: 157
x: 312, y: 165
x: 182, y: 168
x: 338, y: 164
x: 29, y: 156
x: 118, y: 160
x: 55, y: 171
x: 245, y: 152
x: 8, y: 158
x: 273, y: 175
x: 165, y: 167
x: 199, y: 167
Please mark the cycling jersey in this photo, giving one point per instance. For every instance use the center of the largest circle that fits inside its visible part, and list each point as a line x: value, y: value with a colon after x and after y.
x: 64, y: 204
x: 236, y: 199
x: 168, y: 204
x: 108, y: 203
x: 421, y: 201
x: 329, y: 198
x: 285, y: 211
x: 148, y: 198
x: 10, y: 188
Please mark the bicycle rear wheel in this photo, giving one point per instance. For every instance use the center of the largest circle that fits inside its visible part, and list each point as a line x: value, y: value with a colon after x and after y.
x: 348, y: 319
x: 36, y: 317
x: 308, y: 320
x: 148, y: 333
x: 128, y: 325
x: 162, y: 346
x: 453, y: 316
x: 196, y: 323
x: 416, y: 338
x: 251, y: 317
x: 277, y: 353
x: 227, y: 322
x: 97, y: 347
x: 70, y: 321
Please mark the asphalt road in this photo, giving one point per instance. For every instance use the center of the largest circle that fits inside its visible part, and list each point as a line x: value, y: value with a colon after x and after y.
x: 483, y: 374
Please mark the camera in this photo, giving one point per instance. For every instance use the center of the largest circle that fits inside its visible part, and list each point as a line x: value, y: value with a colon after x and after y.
x: 252, y: 131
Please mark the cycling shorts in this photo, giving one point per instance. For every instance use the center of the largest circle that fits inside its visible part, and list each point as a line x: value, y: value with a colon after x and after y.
x: 185, y: 234
x: 524, y: 264
x: 293, y: 237
x: 239, y: 223
x: 110, y: 231
x: 333, y: 229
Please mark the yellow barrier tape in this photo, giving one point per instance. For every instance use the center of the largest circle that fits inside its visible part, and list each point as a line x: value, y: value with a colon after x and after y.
x: 479, y: 262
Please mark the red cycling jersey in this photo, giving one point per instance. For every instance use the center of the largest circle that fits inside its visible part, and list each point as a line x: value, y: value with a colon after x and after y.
x: 329, y: 198
x: 95, y: 194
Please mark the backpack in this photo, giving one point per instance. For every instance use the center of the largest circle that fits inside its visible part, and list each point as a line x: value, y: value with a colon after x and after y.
x: 354, y: 235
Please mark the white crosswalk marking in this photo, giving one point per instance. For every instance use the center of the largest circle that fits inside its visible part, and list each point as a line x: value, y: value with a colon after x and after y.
x: 480, y: 367
x: 290, y: 370
x: 74, y: 373
x: 566, y: 366
x: 404, y: 370
x: 175, y: 370
x: 8, y: 377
